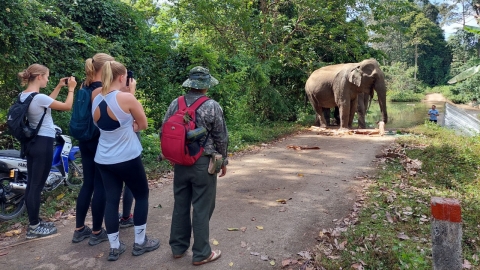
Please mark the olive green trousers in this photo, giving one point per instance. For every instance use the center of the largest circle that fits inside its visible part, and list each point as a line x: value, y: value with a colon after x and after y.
x: 193, y: 187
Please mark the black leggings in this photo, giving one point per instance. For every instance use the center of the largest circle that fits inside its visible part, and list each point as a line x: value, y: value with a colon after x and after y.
x: 92, y: 185
x: 133, y: 175
x: 127, y: 202
x: 39, y: 162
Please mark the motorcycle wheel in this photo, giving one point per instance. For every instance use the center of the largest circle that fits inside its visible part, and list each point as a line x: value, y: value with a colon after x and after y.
x: 14, y: 206
x: 75, y: 174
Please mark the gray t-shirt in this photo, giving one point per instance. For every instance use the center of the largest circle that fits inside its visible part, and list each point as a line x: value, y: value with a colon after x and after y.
x: 35, y: 113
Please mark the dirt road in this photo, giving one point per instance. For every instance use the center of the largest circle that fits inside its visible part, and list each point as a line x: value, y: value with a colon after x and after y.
x: 319, y: 186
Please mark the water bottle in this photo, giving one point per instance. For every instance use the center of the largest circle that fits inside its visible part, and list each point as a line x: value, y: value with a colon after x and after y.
x: 196, y: 134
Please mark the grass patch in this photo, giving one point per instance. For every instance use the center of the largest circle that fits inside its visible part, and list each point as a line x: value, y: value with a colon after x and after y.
x: 404, y: 96
x: 392, y: 229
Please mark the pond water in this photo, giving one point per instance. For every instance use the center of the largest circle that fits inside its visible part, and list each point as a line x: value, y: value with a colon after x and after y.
x: 402, y: 114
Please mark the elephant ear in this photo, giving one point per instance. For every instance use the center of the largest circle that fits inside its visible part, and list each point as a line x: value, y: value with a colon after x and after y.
x: 355, y: 76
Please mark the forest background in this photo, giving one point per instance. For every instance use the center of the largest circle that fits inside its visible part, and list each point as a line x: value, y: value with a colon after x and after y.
x: 261, y: 51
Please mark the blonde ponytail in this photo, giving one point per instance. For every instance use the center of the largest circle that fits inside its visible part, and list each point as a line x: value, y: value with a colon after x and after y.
x: 111, y: 70
x: 107, y: 77
x: 89, y: 71
x: 94, y: 65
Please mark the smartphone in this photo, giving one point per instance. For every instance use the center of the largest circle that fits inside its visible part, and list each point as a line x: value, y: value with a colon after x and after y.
x: 66, y: 81
x: 129, y: 76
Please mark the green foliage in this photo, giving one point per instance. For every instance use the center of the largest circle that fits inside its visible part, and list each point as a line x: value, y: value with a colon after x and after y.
x: 399, y: 77
x: 404, y: 96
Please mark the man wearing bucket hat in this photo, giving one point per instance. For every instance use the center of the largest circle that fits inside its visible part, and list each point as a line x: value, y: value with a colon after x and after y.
x: 194, y: 185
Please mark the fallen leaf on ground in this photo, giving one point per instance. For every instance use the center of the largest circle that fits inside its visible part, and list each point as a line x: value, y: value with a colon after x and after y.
x: 100, y: 255
x: 272, y: 262
x: 282, y: 201
x: 158, y: 206
x: 305, y: 254
x: 357, y: 266
x: 254, y: 253
x: 286, y: 262
x: 403, y: 236
x: 300, y: 175
x: 243, y: 244
x: 260, y: 227
x: 243, y: 229
x: 232, y: 229
x: 466, y: 264
x: 264, y: 257
x: 253, y: 219
x: 389, y: 217
x: 298, y: 147
x: 230, y: 264
x: 13, y: 232
x: 215, y: 242
x: 58, y: 214
x: 60, y: 196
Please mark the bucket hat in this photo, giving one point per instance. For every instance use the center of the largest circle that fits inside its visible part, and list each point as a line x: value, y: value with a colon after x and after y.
x: 200, y: 78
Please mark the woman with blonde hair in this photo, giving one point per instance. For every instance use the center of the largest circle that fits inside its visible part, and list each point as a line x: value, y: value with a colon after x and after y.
x: 119, y: 115
x: 92, y: 191
x: 39, y: 152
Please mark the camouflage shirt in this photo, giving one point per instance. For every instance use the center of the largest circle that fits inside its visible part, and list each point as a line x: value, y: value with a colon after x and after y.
x: 210, y: 116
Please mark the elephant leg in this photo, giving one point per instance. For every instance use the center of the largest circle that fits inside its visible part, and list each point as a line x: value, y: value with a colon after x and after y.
x: 326, y: 114
x: 361, y: 110
x: 336, y: 115
x: 319, y: 122
x: 353, y: 109
x: 344, y: 115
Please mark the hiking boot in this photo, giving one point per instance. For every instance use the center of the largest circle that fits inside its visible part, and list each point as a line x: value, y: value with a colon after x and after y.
x: 148, y: 245
x: 125, y: 223
x: 40, y: 231
x: 115, y: 252
x: 79, y: 236
x: 96, y: 239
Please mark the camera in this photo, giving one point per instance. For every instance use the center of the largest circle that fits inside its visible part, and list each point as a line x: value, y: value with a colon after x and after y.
x: 129, y: 76
x: 66, y: 80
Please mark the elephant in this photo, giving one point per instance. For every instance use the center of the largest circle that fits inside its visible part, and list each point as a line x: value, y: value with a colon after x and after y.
x: 350, y: 86
x: 327, y: 114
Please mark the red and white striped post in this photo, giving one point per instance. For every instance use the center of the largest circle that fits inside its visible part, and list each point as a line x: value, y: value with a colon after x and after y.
x: 446, y: 234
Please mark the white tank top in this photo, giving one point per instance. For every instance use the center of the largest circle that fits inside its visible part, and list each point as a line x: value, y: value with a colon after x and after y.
x: 118, y: 145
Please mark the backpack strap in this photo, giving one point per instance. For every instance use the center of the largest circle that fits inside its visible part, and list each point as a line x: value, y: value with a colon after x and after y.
x: 31, y: 96
x: 197, y: 104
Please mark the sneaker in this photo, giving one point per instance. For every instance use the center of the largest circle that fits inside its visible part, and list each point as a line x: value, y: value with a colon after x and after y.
x: 96, y: 239
x: 79, y: 236
x: 47, y: 224
x: 115, y: 252
x: 148, y: 245
x: 125, y: 223
x: 40, y: 231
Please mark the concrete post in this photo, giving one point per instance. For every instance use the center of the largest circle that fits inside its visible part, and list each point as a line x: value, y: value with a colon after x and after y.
x: 446, y: 234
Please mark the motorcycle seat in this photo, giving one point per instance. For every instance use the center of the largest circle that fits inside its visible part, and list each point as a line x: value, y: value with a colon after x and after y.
x: 10, y: 153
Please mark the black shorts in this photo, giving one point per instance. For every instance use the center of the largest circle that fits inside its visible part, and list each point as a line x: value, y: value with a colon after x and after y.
x: 435, y: 121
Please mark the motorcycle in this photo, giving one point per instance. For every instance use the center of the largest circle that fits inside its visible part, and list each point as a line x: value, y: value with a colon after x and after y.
x: 66, y: 168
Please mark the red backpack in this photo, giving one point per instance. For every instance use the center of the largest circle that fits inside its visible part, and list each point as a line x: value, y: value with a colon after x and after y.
x: 175, y: 146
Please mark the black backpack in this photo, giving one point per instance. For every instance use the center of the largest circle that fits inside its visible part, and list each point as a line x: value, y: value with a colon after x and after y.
x: 17, y: 121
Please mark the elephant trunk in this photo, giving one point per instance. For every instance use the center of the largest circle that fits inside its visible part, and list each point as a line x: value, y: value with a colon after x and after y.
x: 381, y: 90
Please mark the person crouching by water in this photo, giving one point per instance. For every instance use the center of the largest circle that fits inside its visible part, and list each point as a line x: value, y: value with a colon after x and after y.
x: 194, y: 185
x: 118, y: 116
x: 433, y: 113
